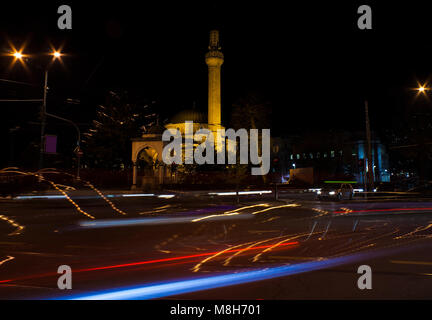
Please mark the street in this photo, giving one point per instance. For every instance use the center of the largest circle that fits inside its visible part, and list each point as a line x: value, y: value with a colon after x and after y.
x: 202, y: 246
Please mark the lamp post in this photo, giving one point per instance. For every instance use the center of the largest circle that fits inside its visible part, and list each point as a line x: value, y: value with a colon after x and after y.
x: 56, y: 55
x: 77, y: 150
x: 420, y: 137
x: 43, y: 121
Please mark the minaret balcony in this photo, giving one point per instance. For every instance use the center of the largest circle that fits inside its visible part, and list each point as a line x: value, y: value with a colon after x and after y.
x: 214, y: 58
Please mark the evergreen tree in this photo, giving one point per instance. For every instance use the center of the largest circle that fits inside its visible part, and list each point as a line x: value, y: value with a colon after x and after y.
x: 108, y: 143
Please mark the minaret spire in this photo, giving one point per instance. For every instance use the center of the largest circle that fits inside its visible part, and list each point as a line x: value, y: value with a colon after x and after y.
x: 214, y: 41
x: 214, y: 59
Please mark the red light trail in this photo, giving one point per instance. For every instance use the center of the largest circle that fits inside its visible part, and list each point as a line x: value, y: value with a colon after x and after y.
x: 384, y: 210
x: 181, y: 257
x: 138, y: 263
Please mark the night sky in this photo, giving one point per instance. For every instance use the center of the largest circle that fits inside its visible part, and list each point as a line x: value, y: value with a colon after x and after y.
x: 309, y: 60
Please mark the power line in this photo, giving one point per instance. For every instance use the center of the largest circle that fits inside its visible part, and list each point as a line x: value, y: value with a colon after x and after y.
x: 18, y: 82
x: 21, y: 100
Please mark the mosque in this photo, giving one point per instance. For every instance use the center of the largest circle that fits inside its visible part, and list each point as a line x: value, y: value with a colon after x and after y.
x: 147, y: 149
x: 329, y: 155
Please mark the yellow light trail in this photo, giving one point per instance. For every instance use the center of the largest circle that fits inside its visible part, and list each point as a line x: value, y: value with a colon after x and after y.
x: 256, y: 257
x: 231, y: 212
x: 228, y: 260
x: 105, y: 198
x: 418, y: 229
x: 9, y: 258
x: 198, y: 266
x: 277, y: 207
x: 65, y: 194
x: 54, y: 185
x: 13, y: 223
x: 95, y: 190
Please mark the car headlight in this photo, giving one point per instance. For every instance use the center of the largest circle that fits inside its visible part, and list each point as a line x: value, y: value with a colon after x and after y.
x: 332, y: 193
x: 319, y: 192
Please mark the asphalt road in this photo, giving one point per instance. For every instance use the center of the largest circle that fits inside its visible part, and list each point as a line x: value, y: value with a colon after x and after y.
x: 212, y: 247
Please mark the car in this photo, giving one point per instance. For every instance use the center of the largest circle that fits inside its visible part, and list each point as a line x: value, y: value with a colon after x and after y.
x: 336, y: 191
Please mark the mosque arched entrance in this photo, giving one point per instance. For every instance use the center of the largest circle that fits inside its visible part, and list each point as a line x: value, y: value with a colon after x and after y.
x: 147, y: 167
x: 149, y: 170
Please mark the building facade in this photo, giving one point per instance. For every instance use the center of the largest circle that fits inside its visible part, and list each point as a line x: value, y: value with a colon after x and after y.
x: 332, y: 155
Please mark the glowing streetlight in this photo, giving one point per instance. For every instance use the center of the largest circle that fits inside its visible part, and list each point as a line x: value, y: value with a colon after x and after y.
x: 422, y: 88
x: 56, y: 54
x: 18, y: 55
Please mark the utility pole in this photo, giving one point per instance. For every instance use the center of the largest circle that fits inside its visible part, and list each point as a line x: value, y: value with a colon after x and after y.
x: 44, y: 115
x: 43, y: 121
x: 369, y: 151
x: 77, y: 150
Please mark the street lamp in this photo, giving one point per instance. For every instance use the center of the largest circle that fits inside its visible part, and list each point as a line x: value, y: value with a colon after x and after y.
x: 18, y: 55
x: 422, y: 89
x: 56, y: 55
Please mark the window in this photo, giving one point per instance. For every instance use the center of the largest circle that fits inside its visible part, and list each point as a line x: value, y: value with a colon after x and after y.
x: 332, y: 154
x: 298, y: 156
x: 291, y: 156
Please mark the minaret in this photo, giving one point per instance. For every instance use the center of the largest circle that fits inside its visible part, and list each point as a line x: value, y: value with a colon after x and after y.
x: 214, y: 59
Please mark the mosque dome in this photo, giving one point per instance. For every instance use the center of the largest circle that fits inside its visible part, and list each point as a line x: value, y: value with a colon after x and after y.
x: 189, y: 115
